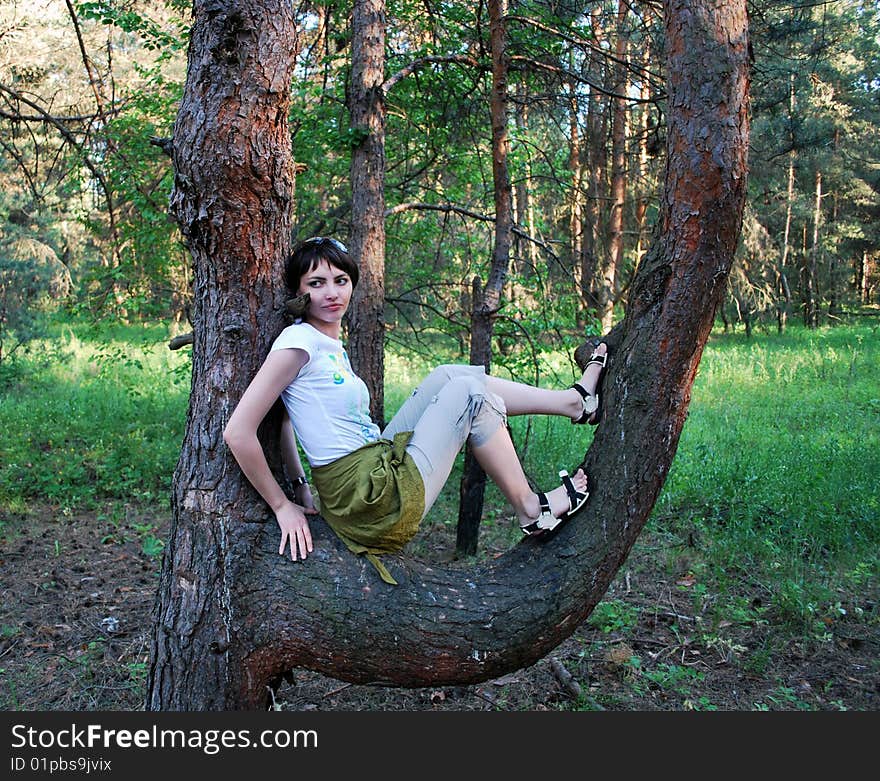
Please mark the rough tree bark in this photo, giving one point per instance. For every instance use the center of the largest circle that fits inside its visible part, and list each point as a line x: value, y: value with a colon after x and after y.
x: 231, y: 615
x: 231, y: 198
x: 366, y: 319
x: 576, y: 169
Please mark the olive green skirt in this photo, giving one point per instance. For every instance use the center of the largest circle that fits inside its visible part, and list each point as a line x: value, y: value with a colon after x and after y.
x: 373, y: 498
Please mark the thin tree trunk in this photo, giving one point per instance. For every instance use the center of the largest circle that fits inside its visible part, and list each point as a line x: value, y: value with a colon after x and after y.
x: 811, y: 263
x: 525, y: 251
x: 487, y: 300
x: 862, y: 266
x: 641, y: 179
x: 834, y: 292
x: 614, y: 261
x: 366, y: 320
x: 784, y: 291
x: 595, y: 181
x: 575, y: 166
x: 590, y: 247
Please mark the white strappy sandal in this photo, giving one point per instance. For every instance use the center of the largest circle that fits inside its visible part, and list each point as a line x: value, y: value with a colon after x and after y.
x: 592, y: 401
x: 546, y: 521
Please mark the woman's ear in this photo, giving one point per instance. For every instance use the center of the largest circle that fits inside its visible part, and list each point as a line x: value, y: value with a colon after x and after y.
x: 297, y: 307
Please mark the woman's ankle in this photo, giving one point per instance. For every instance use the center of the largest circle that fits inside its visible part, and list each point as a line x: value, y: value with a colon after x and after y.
x: 528, y: 509
x: 575, y: 404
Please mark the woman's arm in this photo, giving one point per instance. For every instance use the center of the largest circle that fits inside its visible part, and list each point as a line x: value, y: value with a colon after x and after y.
x: 293, y: 465
x: 279, y: 369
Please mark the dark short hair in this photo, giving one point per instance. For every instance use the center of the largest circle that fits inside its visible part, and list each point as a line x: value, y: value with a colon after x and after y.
x: 309, y: 254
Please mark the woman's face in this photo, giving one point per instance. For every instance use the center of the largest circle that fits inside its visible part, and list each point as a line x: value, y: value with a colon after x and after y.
x: 330, y: 290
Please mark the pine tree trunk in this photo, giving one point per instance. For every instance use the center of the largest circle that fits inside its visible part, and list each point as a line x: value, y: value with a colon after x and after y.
x: 811, y: 263
x: 231, y: 198
x: 487, y: 300
x: 834, y: 292
x: 783, y: 292
x: 614, y: 261
x: 366, y: 319
x: 575, y: 166
x: 641, y: 177
x: 524, y: 213
x: 862, y: 265
x: 596, y: 184
x: 232, y: 615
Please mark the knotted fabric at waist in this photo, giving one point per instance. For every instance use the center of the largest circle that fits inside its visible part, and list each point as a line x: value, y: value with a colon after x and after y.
x: 373, y: 498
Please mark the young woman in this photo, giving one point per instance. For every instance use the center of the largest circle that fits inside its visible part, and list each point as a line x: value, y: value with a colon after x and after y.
x: 376, y: 486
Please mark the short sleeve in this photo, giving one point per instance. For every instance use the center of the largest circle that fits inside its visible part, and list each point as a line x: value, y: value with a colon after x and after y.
x: 294, y: 337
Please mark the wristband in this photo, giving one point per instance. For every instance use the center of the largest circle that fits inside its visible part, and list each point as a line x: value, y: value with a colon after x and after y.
x: 301, y: 480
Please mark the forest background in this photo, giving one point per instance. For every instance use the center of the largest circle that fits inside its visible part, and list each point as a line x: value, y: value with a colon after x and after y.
x: 88, y: 94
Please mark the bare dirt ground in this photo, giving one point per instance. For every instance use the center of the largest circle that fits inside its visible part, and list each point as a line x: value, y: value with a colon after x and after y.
x: 77, y: 596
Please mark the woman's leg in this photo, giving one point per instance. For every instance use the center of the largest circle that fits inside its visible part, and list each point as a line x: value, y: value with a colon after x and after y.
x: 457, y: 401
x: 464, y: 408
x: 499, y: 460
x: 521, y: 399
x: 411, y: 411
x: 461, y: 408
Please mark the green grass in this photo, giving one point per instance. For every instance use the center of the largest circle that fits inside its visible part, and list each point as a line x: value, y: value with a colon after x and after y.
x: 778, y: 466
x: 776, y: 476
x: 91, y: 419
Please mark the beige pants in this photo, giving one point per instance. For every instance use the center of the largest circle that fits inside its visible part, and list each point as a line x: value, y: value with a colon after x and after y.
x: 451, y: 405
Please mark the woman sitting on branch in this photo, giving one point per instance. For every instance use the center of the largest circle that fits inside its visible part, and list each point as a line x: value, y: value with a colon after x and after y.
x: 376, y: 486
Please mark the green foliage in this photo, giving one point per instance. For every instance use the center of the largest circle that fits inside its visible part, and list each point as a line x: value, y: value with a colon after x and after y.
x: 152, y: 35
x: 92, y: 175
x: 152, y: 264
x: 614, y: 616
x: 672, y: 677
x: 149, y: 277
x: 814, y: 94
x: 151, y: 544
x: 782, y: 698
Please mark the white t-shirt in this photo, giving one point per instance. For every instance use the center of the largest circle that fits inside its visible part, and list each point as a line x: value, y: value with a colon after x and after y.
x: 328, y: 404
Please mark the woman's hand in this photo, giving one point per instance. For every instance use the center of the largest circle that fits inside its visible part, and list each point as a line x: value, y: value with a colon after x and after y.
x: 295, y: 529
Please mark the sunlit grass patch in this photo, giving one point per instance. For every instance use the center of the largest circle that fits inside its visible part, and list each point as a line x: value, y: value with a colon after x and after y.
x: 779, y: 461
